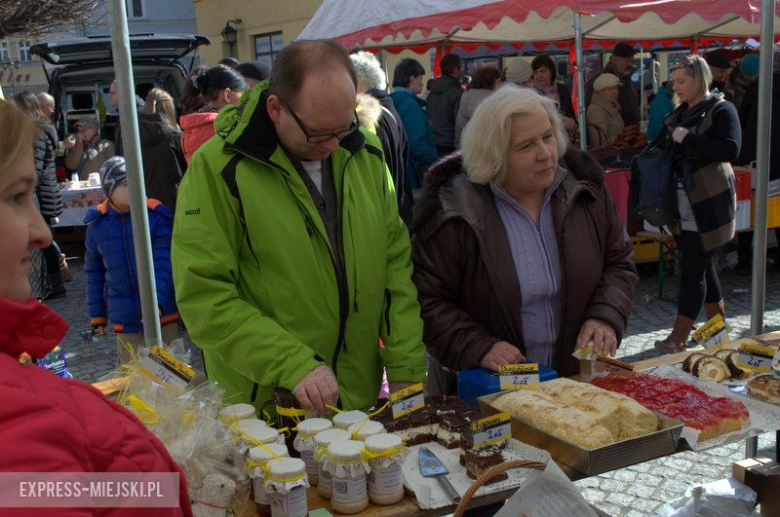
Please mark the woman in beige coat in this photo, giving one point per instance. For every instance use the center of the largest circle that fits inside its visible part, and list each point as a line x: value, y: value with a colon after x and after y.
x: 484, y: 82
x: 605, y: 122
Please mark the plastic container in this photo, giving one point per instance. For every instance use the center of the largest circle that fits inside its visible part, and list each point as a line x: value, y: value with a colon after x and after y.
x: 386, y: 454
x: 347, y: 418
x: 476, y: 382
x: 304, y: 444
x: 321, y: 442
x: 365, y: 429
x: 286, y: 483
x: 347, y: 465
x: 236, y: 412
x: 257, y: 457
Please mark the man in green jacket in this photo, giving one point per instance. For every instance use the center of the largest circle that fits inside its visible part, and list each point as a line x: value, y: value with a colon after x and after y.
x: 290, y: 260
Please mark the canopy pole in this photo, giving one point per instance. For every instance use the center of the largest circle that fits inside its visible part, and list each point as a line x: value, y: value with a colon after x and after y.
x: 580, y: 83
x: 123, y: 72
x: 762, y: 178
x: 642, y: 98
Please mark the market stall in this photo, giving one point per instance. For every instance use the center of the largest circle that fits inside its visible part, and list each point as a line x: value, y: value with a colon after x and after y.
x: 76, y: 201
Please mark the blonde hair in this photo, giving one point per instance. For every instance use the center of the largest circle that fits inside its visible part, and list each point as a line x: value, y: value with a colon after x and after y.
x: 696, y: 67
x: 15, y: 146
x: 486, y: 138
x: 160, y: 101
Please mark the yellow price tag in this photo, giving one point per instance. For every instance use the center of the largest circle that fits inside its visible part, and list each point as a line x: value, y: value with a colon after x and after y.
x: 518, y: 376
x: 491, y: 430
x: 167, y: 369
x: 713, y: 334
x: 756, y: 357
x: 405, y: 401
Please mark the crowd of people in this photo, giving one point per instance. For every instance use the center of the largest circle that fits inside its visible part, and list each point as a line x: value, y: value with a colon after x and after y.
x: 285, y: 236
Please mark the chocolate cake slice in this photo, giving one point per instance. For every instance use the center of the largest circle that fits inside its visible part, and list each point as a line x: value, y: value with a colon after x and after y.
x: 413, y: 428
x: 477, y: 461
x: 453, y: 428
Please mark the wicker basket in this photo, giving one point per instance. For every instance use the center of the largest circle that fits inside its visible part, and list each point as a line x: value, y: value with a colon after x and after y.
x: 488, y: 474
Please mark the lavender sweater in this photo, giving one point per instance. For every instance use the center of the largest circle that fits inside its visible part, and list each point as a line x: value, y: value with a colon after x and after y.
x: 537, y: 263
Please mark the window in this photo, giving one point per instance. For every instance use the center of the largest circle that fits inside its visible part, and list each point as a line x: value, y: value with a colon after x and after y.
x: 4, y: 55
x: 267, y: 46
x: 135, y: 8
x: 24, y: 51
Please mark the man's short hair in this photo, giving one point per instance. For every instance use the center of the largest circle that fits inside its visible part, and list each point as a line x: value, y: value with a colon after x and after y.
x: 301, y: 57
x: 229, y: 62
x: 45, y: 98
x: 369, y: 70
x: 405, y: 70
x: 449, y: 63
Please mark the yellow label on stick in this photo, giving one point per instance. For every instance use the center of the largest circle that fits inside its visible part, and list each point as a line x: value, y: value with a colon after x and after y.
x: 491, y: 430
x: 756, y: 357
x: 518, y: 376
x: 407, y: 400
x: 713, y: 334
x: 167, y: 369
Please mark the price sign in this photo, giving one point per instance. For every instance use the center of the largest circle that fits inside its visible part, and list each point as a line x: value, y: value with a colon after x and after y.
x: 756, y: 357
x: 518, y: 376
x: 407, y: 400
x: 713, y: 334
x: 586, y: 353
x: 491, y: 430
x: 167, y: 369
x: 607, y: 364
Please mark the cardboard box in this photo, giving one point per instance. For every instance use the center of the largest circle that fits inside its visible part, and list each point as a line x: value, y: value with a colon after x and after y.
x: 763, y: 476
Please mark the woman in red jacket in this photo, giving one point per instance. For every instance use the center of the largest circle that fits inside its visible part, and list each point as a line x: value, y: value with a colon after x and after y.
x: 50, y: 424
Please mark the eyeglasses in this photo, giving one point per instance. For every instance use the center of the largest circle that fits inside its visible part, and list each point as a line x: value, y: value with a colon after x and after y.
x: 323, y: 137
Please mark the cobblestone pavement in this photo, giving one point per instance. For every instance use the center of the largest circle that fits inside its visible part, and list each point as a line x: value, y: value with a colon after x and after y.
x: 638, y: 490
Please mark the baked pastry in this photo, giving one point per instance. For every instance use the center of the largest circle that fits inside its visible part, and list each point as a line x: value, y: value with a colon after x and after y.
x: 478, y: 461
x: 578, y: 413
x: 711, y: 368
x: 687, y: 365
x: 712, y: 416
x: 765, y: 387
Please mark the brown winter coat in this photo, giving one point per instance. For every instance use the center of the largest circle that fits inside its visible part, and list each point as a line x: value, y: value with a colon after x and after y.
x: 467, y: 285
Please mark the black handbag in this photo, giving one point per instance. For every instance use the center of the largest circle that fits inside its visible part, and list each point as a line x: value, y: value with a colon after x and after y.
x: 654, y: 184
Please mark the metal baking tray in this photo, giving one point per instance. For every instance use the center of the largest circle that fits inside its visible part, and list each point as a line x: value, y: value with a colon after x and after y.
x: 596, y: 461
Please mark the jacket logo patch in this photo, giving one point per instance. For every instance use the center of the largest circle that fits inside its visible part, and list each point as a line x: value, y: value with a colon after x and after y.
x: 192, y: 212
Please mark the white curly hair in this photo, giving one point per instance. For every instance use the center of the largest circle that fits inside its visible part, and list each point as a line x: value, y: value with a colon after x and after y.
x: 369, y: 70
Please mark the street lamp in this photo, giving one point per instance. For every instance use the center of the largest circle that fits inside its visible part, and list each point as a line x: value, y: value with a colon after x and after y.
x: 230, y: 34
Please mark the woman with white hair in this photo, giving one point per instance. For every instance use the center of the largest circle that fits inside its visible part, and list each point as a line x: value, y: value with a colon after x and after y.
x: 519, y: 256
x: 704, y: 135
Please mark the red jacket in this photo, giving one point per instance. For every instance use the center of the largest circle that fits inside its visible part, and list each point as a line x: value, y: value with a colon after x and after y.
x: 197, y: 127
x: 50, y: 424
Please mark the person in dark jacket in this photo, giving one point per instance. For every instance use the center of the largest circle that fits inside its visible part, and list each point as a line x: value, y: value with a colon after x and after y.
x: 47, y: 423
x: 112, y: 279
x: 519, y: 256
x: 621, y: 64
x: 163, y: 158
x: 47, y: 190
x: 705, y: 137
x: 407, y: 85
x: 545, y: 80
x: 720, y: 66
x: 389, y: 128
x: 444, y: 102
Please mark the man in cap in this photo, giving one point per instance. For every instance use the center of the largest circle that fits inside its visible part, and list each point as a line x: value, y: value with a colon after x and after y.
x: 621, y: 64
x: 720, y: 66
x: 518, y: 71
x: 86, y: 151
x: 444, y: 102
x: 289, y: 257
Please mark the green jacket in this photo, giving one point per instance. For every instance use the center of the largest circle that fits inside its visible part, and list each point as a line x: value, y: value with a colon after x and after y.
x: 255, y: 278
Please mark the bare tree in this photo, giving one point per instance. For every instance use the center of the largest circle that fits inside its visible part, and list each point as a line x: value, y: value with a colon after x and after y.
x: 35, y: 18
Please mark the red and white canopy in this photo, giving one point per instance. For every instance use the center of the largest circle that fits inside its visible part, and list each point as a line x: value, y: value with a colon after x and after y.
x: 377, y: 24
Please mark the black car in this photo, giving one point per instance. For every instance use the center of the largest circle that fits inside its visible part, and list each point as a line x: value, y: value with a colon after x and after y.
x: 80, y: 72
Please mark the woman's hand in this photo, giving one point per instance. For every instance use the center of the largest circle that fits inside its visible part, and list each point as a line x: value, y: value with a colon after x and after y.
x: 679, y: 134
x: 501, y: 353
x: 601, y: 333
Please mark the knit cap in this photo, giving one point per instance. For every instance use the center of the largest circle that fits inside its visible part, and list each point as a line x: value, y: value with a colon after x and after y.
x: 749, y: 64
x: 519, y: 71
x: 112, y: 174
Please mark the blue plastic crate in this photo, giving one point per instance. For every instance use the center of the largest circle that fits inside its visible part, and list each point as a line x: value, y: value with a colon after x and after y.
x: 476, y: 382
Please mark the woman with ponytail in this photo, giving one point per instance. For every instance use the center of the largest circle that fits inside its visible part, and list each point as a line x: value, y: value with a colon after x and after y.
x: 216, y: 87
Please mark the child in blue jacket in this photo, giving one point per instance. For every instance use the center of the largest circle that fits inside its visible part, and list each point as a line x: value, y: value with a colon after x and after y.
x: 112, y: 279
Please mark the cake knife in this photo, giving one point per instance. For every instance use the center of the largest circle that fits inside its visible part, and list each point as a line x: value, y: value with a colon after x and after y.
x: 432, y: 467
